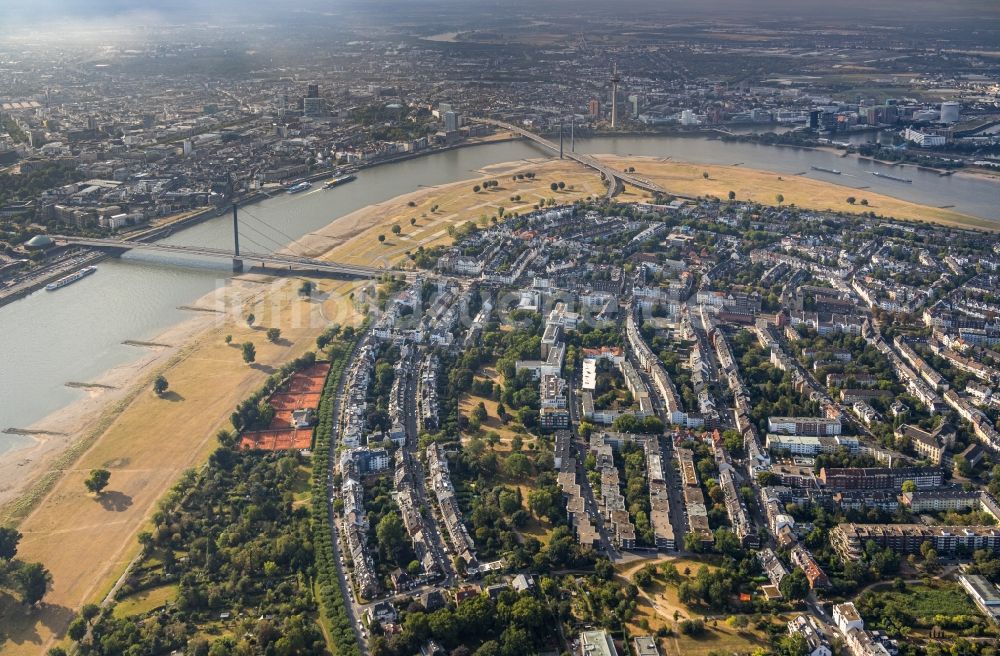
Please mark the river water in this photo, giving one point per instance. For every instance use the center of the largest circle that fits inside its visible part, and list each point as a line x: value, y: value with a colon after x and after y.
x: 76, y: 333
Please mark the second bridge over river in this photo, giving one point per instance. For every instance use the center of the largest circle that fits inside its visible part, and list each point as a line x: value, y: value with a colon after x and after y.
x: 616, y: 179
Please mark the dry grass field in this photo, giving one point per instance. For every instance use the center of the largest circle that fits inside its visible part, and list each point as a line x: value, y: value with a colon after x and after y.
x: 764, y: 186
x: 655, y: 608
x: 356, y: 234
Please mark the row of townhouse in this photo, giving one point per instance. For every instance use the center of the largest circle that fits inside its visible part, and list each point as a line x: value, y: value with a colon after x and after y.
x: 516, y: 270
x: 451, y: 514
x: 356, y: 393
x: 773, y: 257
x: 356, y: 538
x: 933, y: 378
x: 915, y: 385
x: 569, y: 482
x: 736, y: 509
x: 397, y: 397
x: 772, y: 566
x: 816, y: 643
x: 891, y: 297
x: 659, y: 495
x: 767, y: 337
x: 650, y: 363
x: 427, y: 395
x: 773, y: 499
x: 694, y: 499
x: 612, y: 502
x: 756, y: 456
x: 981, y: 370
x: 982, y: 426
x: 411, y: 511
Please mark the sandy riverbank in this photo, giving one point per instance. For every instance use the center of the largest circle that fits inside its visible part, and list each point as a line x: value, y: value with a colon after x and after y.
x: 71, y: 425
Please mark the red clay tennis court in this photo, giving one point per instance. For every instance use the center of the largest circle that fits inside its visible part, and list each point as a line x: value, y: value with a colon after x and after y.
x: 302, y: 390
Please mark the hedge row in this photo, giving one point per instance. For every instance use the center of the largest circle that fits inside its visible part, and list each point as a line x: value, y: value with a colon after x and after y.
x: 343, y: 638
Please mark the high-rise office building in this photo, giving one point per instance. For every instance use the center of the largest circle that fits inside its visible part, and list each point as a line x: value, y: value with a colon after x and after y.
x: 615, y: 79
x: 312, y: 91
x: 450, y: 121
x: 594, y: 108
x: 950, y: 112
x: 633, y: 105
x: 313, y: 107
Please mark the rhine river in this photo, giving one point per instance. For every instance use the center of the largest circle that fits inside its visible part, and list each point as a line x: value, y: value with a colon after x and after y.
x: 76, y: 334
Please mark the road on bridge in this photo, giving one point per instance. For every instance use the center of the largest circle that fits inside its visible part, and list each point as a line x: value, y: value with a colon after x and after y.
x: 616, y: 179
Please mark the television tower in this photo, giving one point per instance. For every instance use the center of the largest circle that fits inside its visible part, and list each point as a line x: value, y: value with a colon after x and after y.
x: 615, y: 79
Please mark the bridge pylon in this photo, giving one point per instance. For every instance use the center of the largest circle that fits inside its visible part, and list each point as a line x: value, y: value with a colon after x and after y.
x: 237, y: 262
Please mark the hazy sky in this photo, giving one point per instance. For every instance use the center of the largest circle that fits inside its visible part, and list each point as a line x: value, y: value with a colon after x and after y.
x: 16, y: 14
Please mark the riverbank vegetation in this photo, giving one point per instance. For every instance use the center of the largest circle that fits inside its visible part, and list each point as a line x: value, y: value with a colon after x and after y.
x: 238, y: 548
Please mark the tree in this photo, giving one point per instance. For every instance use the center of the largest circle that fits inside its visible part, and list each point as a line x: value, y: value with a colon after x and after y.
x: 250, y: 319
x: 794, y: 586
x: 381, y: 239
x: 90, y: 611
x: 391, y: 535
x: 704, y: 174
x: 160, y: 385
x: 780, y: 198
x: 98, y: 480
x: 909, y: 486
x: 476, y: 189
x: 229, y: 339
x: 306, y: 288
x: 273, y: 334
x: 9, y: 537
x: 249, y: 352
x: 864, y: 201
x: 732, y: 195
x: 517, y: 466
x: 851, y: 200
x: 554, y: 186
x: 34, y: 580
x: 562, y: 185
x: 396, y: 229
x: 77, y: 629
x: 413, y: 221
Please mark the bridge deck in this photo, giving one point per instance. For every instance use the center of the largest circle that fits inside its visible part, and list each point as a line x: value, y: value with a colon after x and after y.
x: 219, y: 253
x: 615, y: 178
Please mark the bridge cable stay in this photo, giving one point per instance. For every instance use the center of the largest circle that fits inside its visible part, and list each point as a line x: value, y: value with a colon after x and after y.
x: 291, y: 240
x: 262, y: 235
x: 264, y: 249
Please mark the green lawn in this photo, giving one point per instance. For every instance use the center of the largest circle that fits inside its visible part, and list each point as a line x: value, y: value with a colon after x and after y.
x: 141, y: 603
x: 919, y: 607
